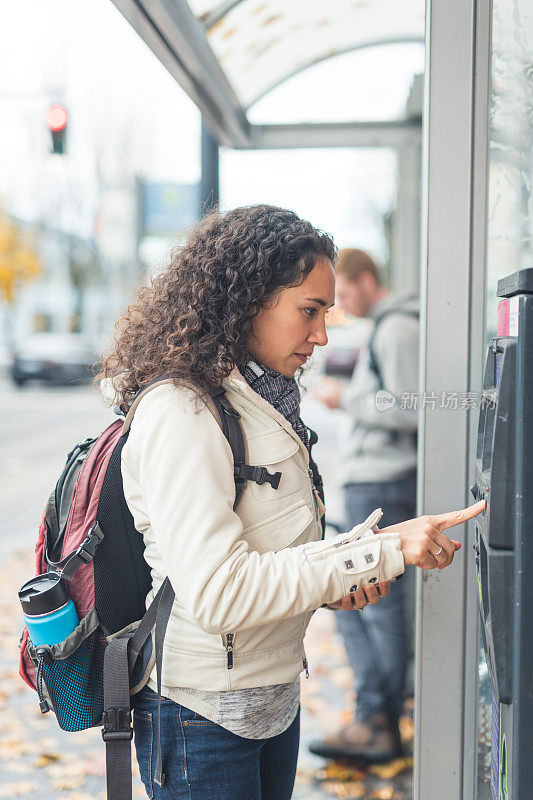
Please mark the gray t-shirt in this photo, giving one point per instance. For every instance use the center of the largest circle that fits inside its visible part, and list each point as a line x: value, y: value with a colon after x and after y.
x: 257, y: 713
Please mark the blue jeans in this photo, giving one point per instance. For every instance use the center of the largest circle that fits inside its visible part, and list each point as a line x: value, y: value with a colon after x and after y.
x: 202, y: 759
x: 376, y: 640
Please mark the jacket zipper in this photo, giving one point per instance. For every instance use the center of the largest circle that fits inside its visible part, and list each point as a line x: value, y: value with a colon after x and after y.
x: 313, y: 492
x: 229, y: 649
x: 305, y: 663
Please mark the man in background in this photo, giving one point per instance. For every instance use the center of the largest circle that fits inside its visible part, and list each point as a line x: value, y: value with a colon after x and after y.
x: 378, y: 470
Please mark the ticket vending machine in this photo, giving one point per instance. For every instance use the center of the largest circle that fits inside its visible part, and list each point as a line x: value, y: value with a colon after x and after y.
x: 504, y: 536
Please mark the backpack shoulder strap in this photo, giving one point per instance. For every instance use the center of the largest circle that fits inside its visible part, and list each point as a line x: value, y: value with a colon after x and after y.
x: 372, y: 359
x: 231, y: 427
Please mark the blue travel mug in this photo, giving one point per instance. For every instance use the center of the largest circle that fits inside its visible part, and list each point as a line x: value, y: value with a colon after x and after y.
x: 49, y: 613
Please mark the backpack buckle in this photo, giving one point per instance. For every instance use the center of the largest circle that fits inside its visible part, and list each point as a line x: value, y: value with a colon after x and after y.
x: 262, y: 475
x: 117, y: 724
x: 87, y: 549
x: 259, y: 475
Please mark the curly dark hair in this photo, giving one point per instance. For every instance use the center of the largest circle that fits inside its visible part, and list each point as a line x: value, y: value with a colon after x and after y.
x: 194, y: 319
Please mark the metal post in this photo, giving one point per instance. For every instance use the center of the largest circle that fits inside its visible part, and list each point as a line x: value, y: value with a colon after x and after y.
x: 406, y: 220
x: 452, y: 345
x: 405, y: 254
x: 480, y: 154
x: 209, y: 183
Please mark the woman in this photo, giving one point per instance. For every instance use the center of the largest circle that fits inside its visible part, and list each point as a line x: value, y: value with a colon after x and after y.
x: 242, y: 304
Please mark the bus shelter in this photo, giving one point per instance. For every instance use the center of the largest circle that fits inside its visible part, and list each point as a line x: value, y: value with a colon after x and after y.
x: 463, y: 221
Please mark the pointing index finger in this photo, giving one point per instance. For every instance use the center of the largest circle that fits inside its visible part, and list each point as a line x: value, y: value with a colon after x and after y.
x: 452, y: 518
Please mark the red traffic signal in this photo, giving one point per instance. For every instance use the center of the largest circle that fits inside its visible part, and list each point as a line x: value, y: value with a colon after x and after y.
x: 56, y: 121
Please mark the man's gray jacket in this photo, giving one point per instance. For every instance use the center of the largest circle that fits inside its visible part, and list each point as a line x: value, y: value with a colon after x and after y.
x: 382, y: 441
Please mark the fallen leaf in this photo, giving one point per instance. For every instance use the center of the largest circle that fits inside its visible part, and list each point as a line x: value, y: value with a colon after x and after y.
x: 340, y: 772
x: 346, y: 791
x: 47, y: 758
x: 407, y: 729
x: 392, y: 768
x: 387, y: 793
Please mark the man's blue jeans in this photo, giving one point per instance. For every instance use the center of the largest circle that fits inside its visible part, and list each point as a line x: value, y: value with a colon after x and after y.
x: 376, y: 639
x: 203, y: 760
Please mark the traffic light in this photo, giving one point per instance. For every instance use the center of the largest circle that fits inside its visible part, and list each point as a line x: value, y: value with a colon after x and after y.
x: 56, y: 122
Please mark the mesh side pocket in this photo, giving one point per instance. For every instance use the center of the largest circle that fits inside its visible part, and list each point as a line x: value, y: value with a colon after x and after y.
x: 72, y: 675
x: 75, y: 684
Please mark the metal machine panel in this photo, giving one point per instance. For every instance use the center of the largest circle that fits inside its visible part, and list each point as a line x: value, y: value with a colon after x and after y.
x: 504, y: 538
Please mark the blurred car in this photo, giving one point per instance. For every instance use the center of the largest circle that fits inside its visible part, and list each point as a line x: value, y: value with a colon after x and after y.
x: 5, y: 360
x: 344, y: 345
x: 59, y: 358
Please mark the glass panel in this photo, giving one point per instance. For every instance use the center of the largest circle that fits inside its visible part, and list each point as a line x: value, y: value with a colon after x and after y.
x: 259, y: 44
x: 510, y: 226
x: 371, y: 84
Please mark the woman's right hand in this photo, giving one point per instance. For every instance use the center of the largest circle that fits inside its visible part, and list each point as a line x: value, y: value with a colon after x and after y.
x: 423, y: 542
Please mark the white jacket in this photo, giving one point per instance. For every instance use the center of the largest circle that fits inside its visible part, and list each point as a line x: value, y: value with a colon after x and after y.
x: 247, y: 579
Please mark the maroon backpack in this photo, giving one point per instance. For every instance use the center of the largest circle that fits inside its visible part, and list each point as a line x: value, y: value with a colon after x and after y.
x: 88, y: 535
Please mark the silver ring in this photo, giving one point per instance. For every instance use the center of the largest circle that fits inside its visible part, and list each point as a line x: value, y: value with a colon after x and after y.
x: 438, y: 554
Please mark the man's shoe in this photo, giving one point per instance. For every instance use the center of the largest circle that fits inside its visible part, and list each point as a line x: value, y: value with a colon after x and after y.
x: 372, y: 739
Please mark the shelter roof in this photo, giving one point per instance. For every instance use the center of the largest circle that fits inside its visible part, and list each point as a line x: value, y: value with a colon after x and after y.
x: 228, y: 53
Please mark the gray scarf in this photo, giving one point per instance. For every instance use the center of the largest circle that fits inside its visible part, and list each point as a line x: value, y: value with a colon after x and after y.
x: 282, y: 393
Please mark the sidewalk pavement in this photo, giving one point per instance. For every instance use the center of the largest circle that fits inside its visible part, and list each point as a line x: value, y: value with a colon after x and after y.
x: 39, y: 761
